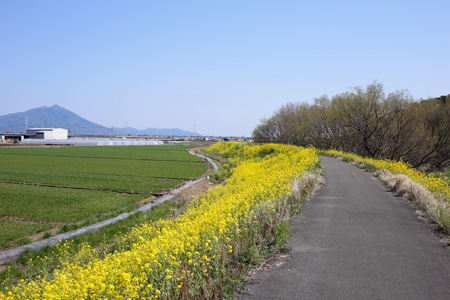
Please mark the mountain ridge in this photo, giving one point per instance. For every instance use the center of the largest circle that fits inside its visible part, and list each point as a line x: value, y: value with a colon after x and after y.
x: 58, y: 117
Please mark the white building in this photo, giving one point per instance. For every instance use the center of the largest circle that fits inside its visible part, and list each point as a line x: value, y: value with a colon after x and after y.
x: 48, y: 133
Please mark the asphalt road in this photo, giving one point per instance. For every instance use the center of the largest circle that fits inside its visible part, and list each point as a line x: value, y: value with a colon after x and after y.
x: 356, y: 240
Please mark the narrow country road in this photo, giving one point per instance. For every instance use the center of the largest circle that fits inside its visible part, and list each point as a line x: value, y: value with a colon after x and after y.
x: 356, y: 240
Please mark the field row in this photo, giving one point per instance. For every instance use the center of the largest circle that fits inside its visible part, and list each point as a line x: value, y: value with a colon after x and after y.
x: 107, y: 166
x: 118, y: 183
x: 40, y: 203
x: 155, y: 152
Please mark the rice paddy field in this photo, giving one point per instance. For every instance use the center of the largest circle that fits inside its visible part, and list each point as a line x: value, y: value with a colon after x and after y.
x: 43, y: 188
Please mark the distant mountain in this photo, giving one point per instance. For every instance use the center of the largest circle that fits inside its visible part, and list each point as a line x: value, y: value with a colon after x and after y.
x: 59, y: 117
x: 155, y: 131
x: 54, y: 116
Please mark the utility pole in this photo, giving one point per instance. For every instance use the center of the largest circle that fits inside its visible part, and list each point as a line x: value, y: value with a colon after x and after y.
x: 26, y: 123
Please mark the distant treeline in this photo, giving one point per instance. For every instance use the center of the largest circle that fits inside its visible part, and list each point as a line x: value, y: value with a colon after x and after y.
x: 368, y: 123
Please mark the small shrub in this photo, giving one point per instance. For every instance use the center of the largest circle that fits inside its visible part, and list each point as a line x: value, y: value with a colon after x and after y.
x: 282, y: 234
x: 220, y: 176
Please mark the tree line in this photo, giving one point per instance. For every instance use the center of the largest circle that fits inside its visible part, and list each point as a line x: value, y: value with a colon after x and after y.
x: 367, y: 122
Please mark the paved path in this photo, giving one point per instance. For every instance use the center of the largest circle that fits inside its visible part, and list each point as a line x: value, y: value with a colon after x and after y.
x: 355, y: 240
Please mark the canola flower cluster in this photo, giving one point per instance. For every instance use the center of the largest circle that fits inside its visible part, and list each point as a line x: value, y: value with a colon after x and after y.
x: 439, y: 186
x: 180, y: 258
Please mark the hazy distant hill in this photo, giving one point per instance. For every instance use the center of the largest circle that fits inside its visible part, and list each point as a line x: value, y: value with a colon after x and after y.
x: 155, y: 131
x: 59, y: 117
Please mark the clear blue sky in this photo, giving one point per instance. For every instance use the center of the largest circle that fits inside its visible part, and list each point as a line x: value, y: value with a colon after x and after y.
x: 221, y: 65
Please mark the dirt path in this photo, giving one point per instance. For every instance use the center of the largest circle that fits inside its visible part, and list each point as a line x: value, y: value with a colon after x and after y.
x: 195, y: 190
x: 356, y: 240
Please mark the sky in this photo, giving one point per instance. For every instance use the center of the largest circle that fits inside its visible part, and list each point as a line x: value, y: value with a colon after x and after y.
x: 214, y: 66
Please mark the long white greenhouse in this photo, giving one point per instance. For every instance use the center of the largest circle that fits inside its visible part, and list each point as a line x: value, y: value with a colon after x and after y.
x: 90, y: 142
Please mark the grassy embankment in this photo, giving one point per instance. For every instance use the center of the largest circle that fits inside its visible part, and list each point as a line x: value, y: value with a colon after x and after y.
x: 431, y: 191
x: 205, y: 251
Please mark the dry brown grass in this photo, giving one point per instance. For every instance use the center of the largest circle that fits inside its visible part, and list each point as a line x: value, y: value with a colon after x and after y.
x: 437, y: 209
x: 306, y: 186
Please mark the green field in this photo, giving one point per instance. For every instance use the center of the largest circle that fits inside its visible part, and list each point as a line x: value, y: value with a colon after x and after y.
x: 41, y: 203
x: 11, y: 230
x: 107, y: 166
x: 87, y: 183
x: 156, y: 152
x: 125, y: 184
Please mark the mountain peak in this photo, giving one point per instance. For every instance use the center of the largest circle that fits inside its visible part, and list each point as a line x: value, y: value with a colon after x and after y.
x: 56, y: 106
x: 50, y: 117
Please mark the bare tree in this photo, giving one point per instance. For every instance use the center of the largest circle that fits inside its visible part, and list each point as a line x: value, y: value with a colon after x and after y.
x: 366, y: 122
x: 362, y: 116
x: 433, y: 116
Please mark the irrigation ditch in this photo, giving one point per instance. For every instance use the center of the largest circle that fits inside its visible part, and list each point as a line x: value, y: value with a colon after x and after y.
x: 15, y: 253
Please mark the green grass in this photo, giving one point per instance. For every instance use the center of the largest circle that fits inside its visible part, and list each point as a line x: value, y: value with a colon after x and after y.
x: 11, y: 230
x: 32, y: 263
x: 126, y: 184
x: 108, y: 166
x: 39, y: 203
x: 107, y: 234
